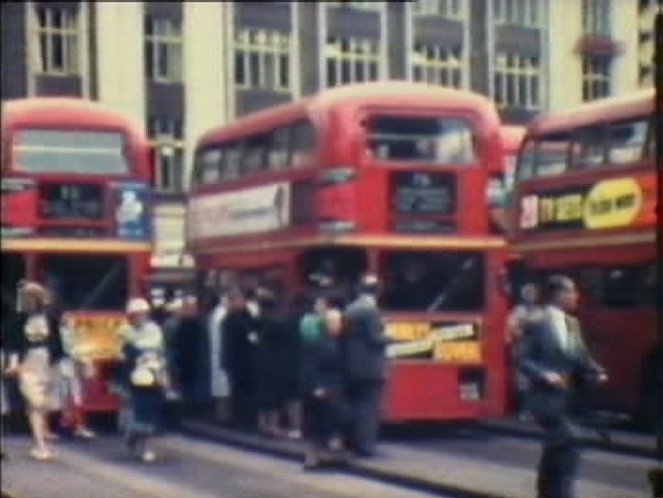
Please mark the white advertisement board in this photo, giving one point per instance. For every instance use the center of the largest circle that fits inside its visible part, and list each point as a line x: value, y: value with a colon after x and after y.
x: 253, y: 210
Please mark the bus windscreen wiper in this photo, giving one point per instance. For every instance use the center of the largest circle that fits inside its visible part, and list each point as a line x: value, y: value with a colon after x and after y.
x: 467, y: 265
x: 101, y: 286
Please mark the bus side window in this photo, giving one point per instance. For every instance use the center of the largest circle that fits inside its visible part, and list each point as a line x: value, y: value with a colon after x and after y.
x: 302, y: 143
x: 278, y: 153
x: 627, y: 141
x: 198, y: 167
x: 233, y: 156
x: 590, y: 147
x: 552, y: 154
x: 525, y: 165
x: 211, y: 160
x: 254, y: 157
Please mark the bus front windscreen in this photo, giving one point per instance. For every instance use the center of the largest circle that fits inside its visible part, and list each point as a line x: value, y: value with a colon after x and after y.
x: 70, y: 151
x: 87, y: 282
x: 419, y: 281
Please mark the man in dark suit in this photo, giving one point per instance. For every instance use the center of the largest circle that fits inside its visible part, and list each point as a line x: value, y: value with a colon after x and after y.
x: 553, y: 355
x: 363, y: 345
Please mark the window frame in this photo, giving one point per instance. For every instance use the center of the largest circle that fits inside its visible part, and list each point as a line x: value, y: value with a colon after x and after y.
x: 437, y: 60
x: 264, y: 141
x: 506, y: 12
x: 590, y: 77
x: 286, y: 163
x: 517, y: 66
x: 448, y: 9
x: 359, y: 5
x: 351, y: 53
x: 310, y: 148
x: 596, y: 17
x: 578, y: 143
x: 285, y: 160
x: 68, y: 33
x: 392, y: 260
x: 166, y: 134
x: 568, y: 164
x: 268, y: 48
x: 468, y: 126
x: 16, y: 148
x: 163, y: 34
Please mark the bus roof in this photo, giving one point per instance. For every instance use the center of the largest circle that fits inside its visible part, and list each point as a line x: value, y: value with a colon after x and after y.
x: 512, y: 136
x: 67, y: 111
x: 358, y: 95
x: 640, y: 103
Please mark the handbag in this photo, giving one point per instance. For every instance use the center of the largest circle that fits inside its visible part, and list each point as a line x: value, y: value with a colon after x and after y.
x: 142, y: 376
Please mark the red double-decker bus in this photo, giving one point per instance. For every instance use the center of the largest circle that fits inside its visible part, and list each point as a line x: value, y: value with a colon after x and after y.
x: 76, y: 216
x: 384, y: 177
x: 585, y: 206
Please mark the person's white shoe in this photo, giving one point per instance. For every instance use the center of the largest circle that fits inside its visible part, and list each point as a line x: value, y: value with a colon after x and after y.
x: 84, y: 433
x: 148, y: 456
x: 42, y: 455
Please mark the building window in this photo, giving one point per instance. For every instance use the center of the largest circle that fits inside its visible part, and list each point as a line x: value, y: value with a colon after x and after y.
x: 595, y: 77
x: 262, y: 59
x: 437, y: 64
x: 163, y: 49
x: 596, y: 17
x: 351, y: 60
x: 58, y: 40
x: 516, y: 80
x: 355, y: 5
x: 451, y: 9
x: 167, y: 137
x: 517, y: 12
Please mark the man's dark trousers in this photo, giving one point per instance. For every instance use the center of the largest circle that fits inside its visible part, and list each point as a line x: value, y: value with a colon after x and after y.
x: 558, y: 466
x: 364, y: 400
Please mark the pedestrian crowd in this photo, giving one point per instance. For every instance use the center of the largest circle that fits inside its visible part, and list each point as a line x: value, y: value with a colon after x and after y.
x: 312, y: 369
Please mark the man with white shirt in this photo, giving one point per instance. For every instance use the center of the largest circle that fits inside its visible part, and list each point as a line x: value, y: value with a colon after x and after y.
x: 220, y: 388
x: 553, y: 355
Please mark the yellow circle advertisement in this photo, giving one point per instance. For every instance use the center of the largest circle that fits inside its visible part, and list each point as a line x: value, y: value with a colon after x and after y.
x: 612, y: 203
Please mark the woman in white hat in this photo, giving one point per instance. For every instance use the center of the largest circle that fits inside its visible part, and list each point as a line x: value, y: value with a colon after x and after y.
x: 35, y: 347
x: 145, y: 366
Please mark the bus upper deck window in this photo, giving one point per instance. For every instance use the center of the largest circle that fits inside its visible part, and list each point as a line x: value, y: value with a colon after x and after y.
x: 303, y: 142
x: 71, y: 151
x: 627, y: 141
x: 552, y: 155
x: 589, y: 149
x: 525, y: 162
x: 421, y: 139
x: 210, y: 163
x: 231, y: 165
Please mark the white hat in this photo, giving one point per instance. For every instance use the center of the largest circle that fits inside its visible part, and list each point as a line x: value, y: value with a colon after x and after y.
x: 138, y: 305
x: 175, y: 305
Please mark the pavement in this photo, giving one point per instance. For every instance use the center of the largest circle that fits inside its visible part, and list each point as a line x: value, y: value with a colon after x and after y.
x: 438, y: 471
x: 23, y: 477
x: 625, y: 442
x: 206, y: 460
x: 185, y: 468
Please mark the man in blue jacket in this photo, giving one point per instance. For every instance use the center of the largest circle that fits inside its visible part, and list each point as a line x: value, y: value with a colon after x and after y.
x: 363, y: 345
x: 553, y: 355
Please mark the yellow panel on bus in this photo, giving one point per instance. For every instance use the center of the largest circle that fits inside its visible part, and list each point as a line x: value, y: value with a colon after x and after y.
x: 96, y: 335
